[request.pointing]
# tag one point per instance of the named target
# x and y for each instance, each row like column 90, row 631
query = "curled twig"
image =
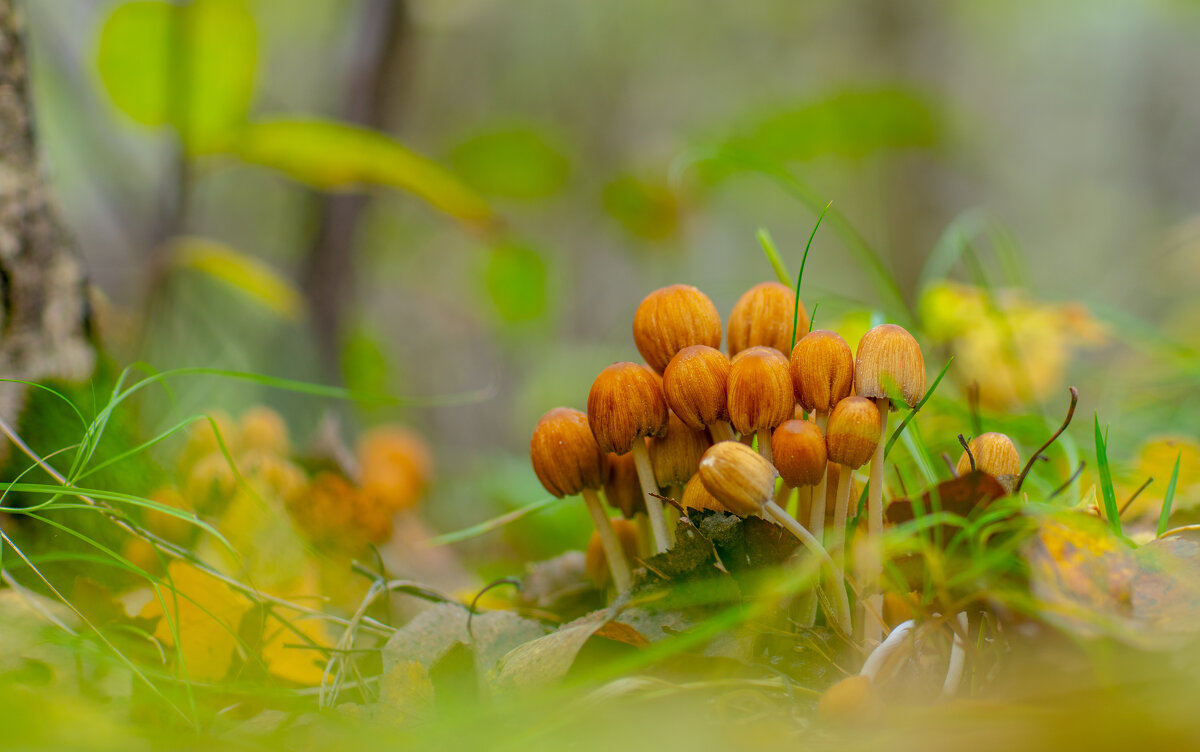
column 966, row 445
column 472, row 610
column 1066, row 422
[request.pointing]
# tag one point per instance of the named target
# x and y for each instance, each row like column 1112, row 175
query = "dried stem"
column 1066, row 422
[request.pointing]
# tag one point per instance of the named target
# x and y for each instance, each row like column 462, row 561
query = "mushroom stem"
column 816, row 520
column 872, row 627
column 654, row 510
column 879, row 657
column 617, row 564
column 764, row 444
column 840, row 511
column 958, row 655
column 645, row 537
column 841, row 602
column 721, row 431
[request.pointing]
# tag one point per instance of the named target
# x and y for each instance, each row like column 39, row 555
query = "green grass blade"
column 492, row 524
column 1169, row 499
column 772, row 253
column 1111, row 511
column 800, row 277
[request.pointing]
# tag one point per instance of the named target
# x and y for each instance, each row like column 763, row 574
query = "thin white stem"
column 721, row 431
column 872, row 627
column 613, row 551
column 841, row 602
column 816, row 520
column 645, row 537
column 840, row 510
column 654, row 510
column 958, row 657
column 764, row 444
column 878, row 658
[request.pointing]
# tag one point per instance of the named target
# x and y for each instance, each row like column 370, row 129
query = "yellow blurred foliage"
column 204, row 613
column 1015, row 348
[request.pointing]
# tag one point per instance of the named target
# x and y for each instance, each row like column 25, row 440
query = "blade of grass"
column 772, row 253
column 1169, row 498
column 1106, row 484
column 493, row 524
column 800, row 277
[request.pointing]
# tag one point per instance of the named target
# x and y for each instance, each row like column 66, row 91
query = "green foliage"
column 646, row 209
column 1111, row 512
column 246, row 274
column 517, row 162
column 515, row 277
column 190, row 66
column 336, row 156
column 853, row 123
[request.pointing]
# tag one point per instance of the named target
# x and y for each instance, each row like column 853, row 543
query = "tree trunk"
column 44, row 316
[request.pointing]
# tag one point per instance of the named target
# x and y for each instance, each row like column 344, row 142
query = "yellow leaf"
column 204, row 613
column 336, row 156
column 246, row 274
column 302, row 665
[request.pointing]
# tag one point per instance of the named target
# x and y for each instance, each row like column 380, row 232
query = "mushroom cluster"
column 788, row 414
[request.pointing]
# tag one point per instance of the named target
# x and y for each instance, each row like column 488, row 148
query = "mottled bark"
column 43, row 290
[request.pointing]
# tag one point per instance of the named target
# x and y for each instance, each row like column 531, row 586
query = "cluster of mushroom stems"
column 815, row 410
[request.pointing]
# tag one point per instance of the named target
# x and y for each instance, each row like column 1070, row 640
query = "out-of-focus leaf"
column 188, row 65
column 366, row 367
column 516, row 283
column 646, row 210
column 288, row 655
column 852, row 123
column 548, row 659
column 336, row 156
column 961, row 496
column 1087, row 579
column 405, row 694
column 205, row 613
column 435, row 632
column 245, row 274
column 511, row 163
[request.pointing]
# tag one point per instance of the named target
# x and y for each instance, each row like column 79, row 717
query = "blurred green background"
column 575, row 156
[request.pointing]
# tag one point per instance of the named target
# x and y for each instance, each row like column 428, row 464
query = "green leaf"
column 190, row 66
column 516, row 283
column 1111, row 512
column 335, row 156
column 1168, row 500
column 646, row 210
column 365, row 363
column 852, row 123
column 511, row 163
column 245, row 274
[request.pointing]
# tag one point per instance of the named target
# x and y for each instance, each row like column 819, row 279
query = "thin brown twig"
column 967, row 447
column 1066, row 422
column 1133, row 498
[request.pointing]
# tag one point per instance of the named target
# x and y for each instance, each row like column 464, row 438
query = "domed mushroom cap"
column 622, row 489
column 394, row 465
column 822, row 368
column 763, row 316
column 675, row 457
column 853, row 431
column 994, row 453
column 672, row 318
column 695, row 385
column 760, row 390
column 566, row 458
column 890, row 361
column 800, row 454
column 626, row 403
column 696, row 496
column 265, row 430
column 738, row 477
